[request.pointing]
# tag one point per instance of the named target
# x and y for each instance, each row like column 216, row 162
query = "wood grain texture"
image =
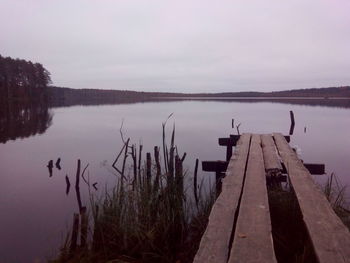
column 271, row 158
column 329, row 237
column 214, row 246
column 253, row 238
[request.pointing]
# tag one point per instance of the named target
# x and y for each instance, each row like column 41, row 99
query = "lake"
column 36, row 213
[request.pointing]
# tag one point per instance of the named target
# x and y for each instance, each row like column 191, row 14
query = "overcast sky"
column 182, row 45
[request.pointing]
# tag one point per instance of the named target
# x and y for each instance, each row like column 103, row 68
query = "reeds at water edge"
column 150, row 215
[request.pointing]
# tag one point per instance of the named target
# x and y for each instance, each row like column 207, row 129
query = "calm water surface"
column 35, row 211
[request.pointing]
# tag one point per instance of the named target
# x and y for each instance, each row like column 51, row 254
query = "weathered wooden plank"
column 271, row 159
column 329, row 236
column 232, row 140
column 253, row 238
column 214, row 246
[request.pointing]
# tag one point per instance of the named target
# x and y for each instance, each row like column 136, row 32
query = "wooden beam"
column 215, row 242
column 253, row 234
column 214, row 166
column 232, row 140
column 329, row 236
column 315, row 168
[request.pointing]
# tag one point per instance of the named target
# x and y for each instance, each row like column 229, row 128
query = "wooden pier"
column 239, row 227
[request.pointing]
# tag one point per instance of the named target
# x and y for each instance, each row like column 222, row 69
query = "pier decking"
column 239, row 227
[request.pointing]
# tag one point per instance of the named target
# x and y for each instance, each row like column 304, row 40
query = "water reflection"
column 92, row 135
column 307, row 101
column 21, row 120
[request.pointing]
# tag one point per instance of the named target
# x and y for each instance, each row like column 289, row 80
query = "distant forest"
column 67, row 96
column 23, row 80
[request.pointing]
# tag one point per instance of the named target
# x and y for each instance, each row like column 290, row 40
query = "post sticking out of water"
column 68, row 185
column 292, row 123
column 77, row 187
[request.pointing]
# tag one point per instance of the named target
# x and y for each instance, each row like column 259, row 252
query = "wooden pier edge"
column 215, row 242
column 239, row 227
column 330, row 238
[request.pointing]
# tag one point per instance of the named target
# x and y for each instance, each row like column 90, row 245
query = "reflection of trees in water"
column 24, row 119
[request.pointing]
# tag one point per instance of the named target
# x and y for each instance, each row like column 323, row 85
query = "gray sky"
column 182, row 45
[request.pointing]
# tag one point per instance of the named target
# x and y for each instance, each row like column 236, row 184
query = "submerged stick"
column 116, row 159
column 77, row 188
column 77, row 177
column 125, row 157
column 68, row 185
column 58, row 164
column 50, row 166
column 82, row 175
column 183, row 157
column 292, row 123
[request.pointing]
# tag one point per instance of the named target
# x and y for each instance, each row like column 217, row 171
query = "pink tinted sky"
column 183, row 45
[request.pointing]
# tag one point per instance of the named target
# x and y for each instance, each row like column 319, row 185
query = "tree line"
column 23, row 80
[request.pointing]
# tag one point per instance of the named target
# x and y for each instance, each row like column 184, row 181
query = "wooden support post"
column 229, row 143
column 228, row 152
column 219, row 167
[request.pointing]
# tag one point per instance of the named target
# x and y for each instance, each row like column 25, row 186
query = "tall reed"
column 149, row 216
